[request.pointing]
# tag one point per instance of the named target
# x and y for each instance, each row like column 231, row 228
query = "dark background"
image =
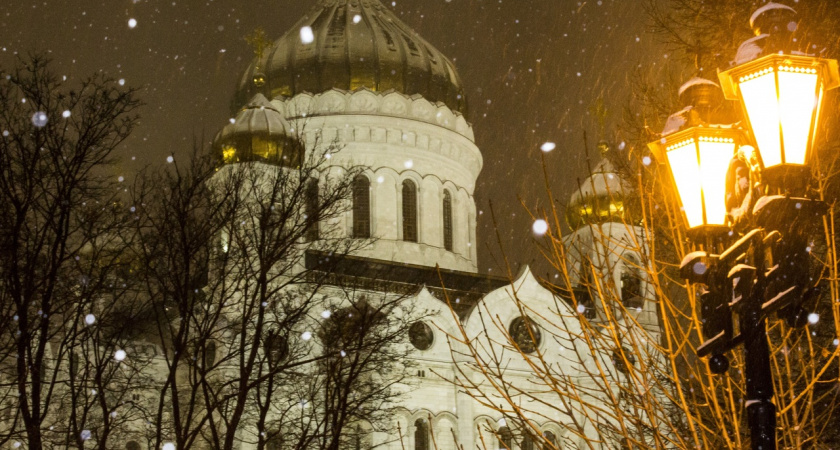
column 534, row 70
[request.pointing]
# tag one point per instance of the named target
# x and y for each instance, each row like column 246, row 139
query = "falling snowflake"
column 306, row 35
column 39, row 119
column 540, row 227
column 548, row 146
column 170, row 159
column 90, row 319
column 119, row 355
column 66, row 113
column 813, row 318
column 326, row 314
column 306, row 335
column 132, row 22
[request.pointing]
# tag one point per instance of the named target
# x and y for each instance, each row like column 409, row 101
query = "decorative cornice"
column 368, row 102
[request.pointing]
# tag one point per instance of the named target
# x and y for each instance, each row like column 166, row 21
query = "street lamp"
column 781, row 96
column 699, row 158
column 767, row 270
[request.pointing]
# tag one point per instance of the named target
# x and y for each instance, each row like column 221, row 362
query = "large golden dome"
column 354, row 44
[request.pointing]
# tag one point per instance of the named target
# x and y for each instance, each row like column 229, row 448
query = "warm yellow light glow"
column 797, row 105
column 782, row 95
column 781, row 116
column 699, row 169
column 686, row 170
column 228, row 154
column 761, row 101
column 715, row 155
column 263, row 148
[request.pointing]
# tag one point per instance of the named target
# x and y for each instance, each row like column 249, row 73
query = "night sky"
column 533, row 71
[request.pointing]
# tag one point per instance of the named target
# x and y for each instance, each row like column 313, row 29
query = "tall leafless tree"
column 61, row 256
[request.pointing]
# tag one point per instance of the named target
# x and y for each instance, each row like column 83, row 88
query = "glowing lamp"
column 781, row 96
column 698, row 159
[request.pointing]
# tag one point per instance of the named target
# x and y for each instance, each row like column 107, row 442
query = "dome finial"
column 259, row 43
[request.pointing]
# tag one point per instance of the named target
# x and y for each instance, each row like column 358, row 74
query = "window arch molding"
column 631, row 282
column 406, row 228
column 448, row 220
column 554, row 435
column 428, row 420
column 361, row 214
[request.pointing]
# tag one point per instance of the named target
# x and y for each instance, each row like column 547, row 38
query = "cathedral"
column 362, row 81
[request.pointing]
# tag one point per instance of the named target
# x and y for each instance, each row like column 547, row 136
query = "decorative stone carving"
column 395, row 104
column 332, row 102
column 422, row 109
column 445, row 117
column 364, row 101
column 300, row 105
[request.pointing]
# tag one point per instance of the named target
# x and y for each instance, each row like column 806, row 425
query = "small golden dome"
column 600, row 198
column 258, row 133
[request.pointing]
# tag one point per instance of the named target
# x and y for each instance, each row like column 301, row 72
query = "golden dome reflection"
column 258, row 133
column 355, row 44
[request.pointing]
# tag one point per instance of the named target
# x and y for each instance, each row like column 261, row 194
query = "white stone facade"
column 395, row 138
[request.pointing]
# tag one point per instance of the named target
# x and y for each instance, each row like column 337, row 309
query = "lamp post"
column 766, row 271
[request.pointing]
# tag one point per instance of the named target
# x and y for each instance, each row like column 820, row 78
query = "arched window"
column 209, row 354
column 357, row 440
column 527, row 443
column 275, row 441
column 312, row 210
column 421, row 435
column 74, row 363
column 361, row 207
column 132, row 445
column 409, row 211
column 276, row 346
column 631, row 284
column 447, row 220
column 551, row 439
column 505, row 438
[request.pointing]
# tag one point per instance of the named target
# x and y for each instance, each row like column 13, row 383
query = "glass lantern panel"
column 758, row 92
column 714, row 163
column 686, row 170
column 797, row 106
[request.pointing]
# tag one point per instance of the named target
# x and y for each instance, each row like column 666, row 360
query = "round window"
column 421, row 335
column 526, row 340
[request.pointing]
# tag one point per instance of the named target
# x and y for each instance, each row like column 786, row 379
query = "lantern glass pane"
column 820, row 94
column 714, row 163
column 686, row 170
column 797, row 106
column 761, row 102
